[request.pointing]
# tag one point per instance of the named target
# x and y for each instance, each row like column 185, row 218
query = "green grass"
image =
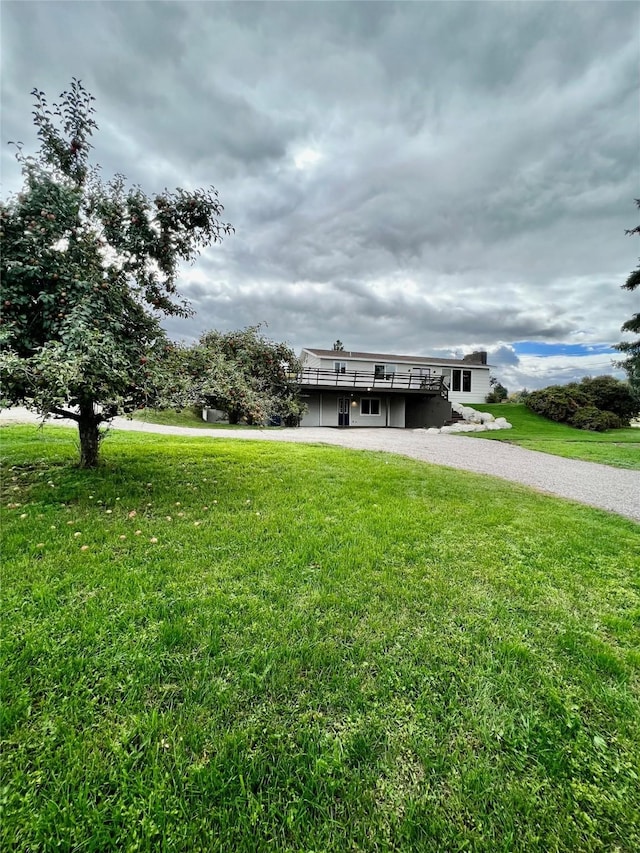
column 617, row 447
column 183, row 418
column 323, row 650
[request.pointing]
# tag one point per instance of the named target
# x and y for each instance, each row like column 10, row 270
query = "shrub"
column 597, row 403
column 615, row 421
column 494, row 397
column 558, row 402
column 498, row 393
column 592, row 418
column 610, row 394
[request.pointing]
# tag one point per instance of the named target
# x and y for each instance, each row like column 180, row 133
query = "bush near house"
column 498, row 393
column 244, row 374
column 596, row 403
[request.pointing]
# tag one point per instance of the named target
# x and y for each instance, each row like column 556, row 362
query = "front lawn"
column 618, row 447
column 242, row 646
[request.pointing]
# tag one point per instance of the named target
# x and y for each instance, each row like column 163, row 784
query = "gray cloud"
column 404, row 176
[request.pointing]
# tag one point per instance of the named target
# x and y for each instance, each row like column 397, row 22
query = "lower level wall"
column 357, row 419
column 323, row 410
column 427, row 412
column 395, row 411
column 312, row 415
column 214, row 416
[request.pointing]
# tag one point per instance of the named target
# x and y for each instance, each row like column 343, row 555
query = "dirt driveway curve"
column 614, row 489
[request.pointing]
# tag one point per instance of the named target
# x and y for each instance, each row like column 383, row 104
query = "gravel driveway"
column 613, row 489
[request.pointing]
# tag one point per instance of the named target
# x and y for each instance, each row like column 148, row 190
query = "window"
column 461, row 380
column 370, row 406
column 340, row 366
column 384, row 371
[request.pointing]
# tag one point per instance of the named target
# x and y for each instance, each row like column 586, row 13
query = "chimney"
column 479, row 357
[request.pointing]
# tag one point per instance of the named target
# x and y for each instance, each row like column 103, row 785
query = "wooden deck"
column 369, row 381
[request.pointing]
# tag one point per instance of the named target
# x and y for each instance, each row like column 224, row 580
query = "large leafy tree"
column 244, row 374
column 88, row 270
column 632, row 348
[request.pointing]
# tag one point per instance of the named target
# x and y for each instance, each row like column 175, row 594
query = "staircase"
column 454, row 419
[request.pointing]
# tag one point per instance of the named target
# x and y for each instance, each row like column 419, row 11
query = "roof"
column 389, row 357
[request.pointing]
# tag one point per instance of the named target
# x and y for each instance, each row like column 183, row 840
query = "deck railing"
column 369, row 380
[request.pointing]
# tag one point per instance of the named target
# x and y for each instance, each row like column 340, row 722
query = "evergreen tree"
column 631, row 349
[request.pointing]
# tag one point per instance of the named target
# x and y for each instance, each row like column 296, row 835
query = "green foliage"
column 632, row 348
column 564, row 403
column 244, row 374
column 498, row 393
column 321, row 650
column 518, row 396
column 88, row 268
column 597, row 420
column 557, row 402
column 612, row 395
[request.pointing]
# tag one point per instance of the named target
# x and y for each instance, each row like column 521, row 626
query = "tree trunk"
column 88, row 427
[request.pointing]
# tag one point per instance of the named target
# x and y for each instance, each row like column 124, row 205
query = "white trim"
column 370, row 414
column 461, row 371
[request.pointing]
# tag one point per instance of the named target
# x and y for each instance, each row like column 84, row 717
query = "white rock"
column 473, row 421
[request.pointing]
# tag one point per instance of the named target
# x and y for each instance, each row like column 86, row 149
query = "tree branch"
column 63, row 413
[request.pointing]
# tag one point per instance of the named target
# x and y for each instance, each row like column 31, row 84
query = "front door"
column 344, row 404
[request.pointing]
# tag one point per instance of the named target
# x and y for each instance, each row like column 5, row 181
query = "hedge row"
column 596, row 403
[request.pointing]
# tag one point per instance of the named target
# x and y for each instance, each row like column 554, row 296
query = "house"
column 348, row 389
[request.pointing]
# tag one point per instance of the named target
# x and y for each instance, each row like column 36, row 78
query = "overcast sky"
column 417, row 178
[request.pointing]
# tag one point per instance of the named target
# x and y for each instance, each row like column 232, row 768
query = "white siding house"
column 344, row 388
